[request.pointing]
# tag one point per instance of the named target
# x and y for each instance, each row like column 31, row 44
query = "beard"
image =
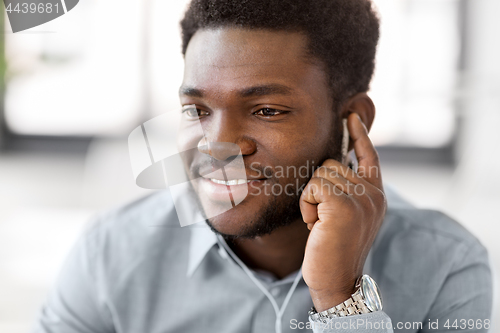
column 279, row 211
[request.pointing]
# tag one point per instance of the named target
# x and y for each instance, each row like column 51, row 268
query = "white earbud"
column 345, row 141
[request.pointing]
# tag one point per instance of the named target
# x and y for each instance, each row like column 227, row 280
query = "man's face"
column 257, row 89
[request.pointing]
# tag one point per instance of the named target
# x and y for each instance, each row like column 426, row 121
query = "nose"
column 219, row 150
column 224, row 139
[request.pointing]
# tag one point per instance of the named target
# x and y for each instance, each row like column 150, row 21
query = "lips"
column 230, row 192
column 230, row 182
column 226, row 185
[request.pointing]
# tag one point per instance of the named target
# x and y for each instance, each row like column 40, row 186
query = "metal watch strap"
column 353, row 305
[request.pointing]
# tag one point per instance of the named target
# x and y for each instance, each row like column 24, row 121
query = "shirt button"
column 275, row 291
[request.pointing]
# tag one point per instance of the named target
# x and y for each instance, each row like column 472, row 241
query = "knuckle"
column 322, row 172
column 326, row 173
column 379, row 200
column 329, row 162
column 319, row 172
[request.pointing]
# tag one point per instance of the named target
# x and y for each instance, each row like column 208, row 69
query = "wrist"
column 365, row 299
column 325, row 299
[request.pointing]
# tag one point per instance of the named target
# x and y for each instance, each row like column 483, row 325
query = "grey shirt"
column 136, row 270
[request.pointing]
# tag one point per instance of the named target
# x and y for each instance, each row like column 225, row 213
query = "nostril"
column 219, row 150
column 223, row 150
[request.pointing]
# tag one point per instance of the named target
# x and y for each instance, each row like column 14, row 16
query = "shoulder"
column 426, row 256
column 404, row 219
column 418, row 242
column 128, row 235
column 153, row 210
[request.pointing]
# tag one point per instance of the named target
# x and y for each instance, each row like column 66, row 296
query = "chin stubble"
column 280, row 211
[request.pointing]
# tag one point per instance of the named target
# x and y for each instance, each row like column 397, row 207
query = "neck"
column 280, row 252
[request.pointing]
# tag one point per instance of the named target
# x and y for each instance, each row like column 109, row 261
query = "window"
column 107, row 65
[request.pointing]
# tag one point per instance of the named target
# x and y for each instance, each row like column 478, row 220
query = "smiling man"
column 256, row 89
column 280, row 84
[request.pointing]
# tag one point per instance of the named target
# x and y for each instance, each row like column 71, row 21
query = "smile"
column 230, row 182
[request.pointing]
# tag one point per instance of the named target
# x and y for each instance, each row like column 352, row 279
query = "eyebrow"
column 262, row 90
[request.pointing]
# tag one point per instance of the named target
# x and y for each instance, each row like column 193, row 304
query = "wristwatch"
column 365, row 299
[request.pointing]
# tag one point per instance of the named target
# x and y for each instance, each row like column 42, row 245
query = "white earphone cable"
column 279, row 311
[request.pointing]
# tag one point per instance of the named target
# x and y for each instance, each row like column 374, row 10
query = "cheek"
column 299, row 148
column 308, row 138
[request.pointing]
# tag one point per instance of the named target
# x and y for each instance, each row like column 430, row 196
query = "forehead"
column 229, row 57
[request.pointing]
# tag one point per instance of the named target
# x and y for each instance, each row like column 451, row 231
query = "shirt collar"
column 202, row 240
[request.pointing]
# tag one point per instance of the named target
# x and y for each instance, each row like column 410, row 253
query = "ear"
column 363, row 106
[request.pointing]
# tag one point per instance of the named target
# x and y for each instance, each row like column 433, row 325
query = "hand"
column 343, row 210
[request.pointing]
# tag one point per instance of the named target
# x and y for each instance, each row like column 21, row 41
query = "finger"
column 356, row 189
column 317, row 191
column 368, row 160
column 337, row 179
column 341, row 170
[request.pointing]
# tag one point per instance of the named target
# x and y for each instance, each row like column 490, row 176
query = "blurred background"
column 74, row 88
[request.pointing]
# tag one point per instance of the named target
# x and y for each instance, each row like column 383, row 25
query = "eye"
column 268, row 112
column 192, row 112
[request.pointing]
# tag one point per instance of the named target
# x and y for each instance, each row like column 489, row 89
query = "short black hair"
column 342, row 34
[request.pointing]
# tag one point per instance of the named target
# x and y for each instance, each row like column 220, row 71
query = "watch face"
column 371, row 293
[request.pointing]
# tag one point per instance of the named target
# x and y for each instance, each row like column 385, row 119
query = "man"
column 276, row 79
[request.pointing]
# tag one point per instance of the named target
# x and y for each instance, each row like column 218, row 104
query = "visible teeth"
column 230, row 182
